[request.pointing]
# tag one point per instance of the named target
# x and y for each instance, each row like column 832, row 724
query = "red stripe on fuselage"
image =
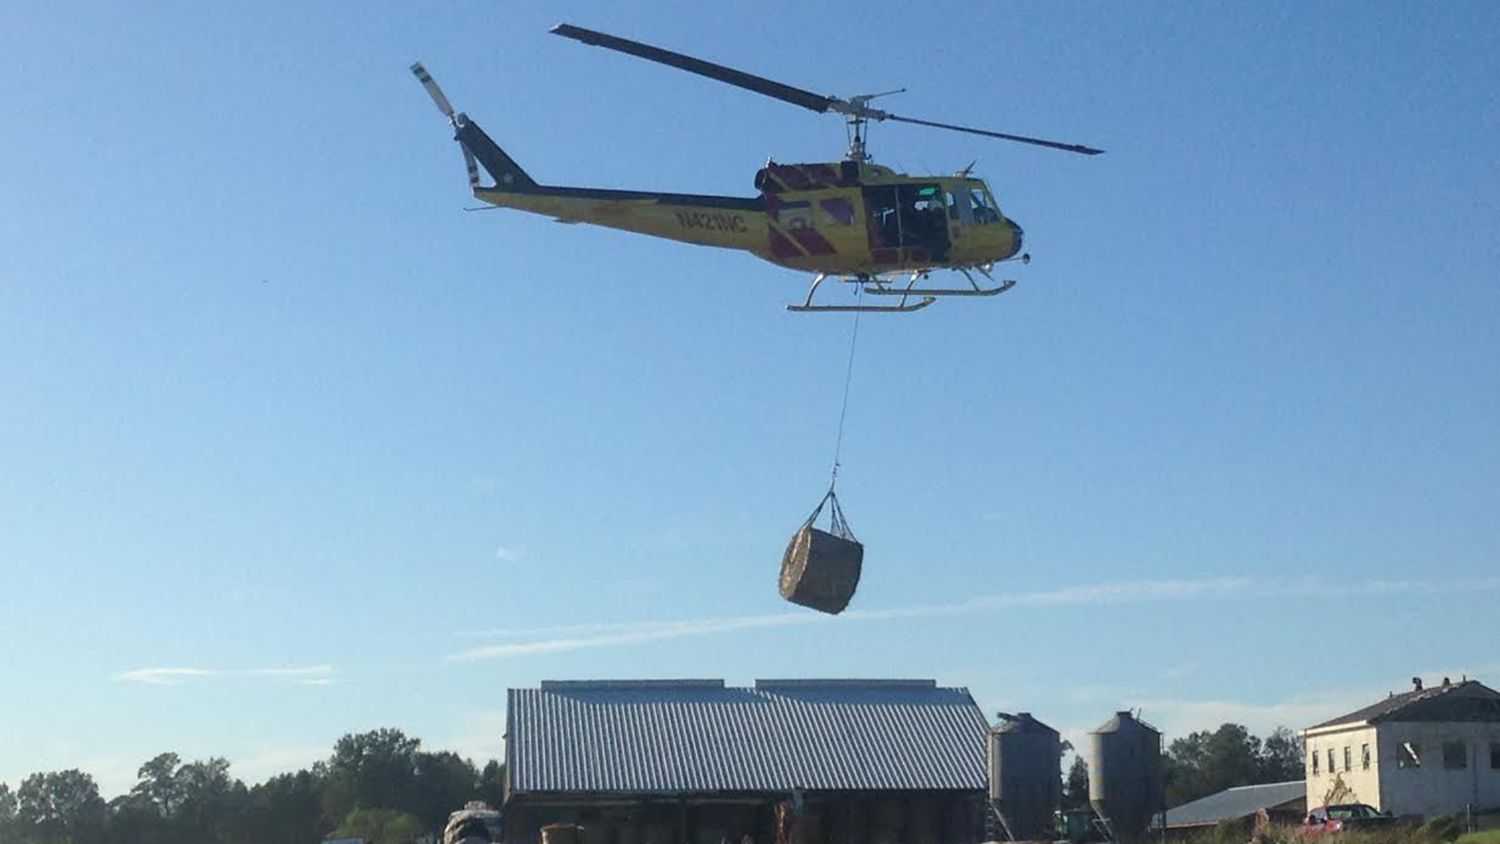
column 781, row 247
column 814, row 243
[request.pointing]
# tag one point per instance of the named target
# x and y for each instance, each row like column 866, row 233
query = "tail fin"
column 507, row 174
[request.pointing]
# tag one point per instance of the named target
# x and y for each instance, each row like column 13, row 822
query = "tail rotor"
column 454, row 119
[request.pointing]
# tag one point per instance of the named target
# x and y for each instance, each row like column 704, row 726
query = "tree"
column 157, row 786
column 1233, row 758
column 1183, row 768
column 7, row 812
column 1076, row 785
column 444, row 782
column 492, row 783
column 61, row 806
column 211, row 801
column 1281, row 757
column 132, row 820
column 380, row 826
column 378, row 785
column 288, row 807
column 372, row 770
column 1205, row 763
column 175, row 803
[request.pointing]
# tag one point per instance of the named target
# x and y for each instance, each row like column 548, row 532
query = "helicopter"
column 853, row 220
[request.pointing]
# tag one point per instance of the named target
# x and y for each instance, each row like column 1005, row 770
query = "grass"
column 1440, row 830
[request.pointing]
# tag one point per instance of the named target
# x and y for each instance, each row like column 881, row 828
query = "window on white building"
column 1314, row 757
column 1455, row 755
column 1364, row 757
column 1332, row 765
column 1348, row 759
column 1410, row 755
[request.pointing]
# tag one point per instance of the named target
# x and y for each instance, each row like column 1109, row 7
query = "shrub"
column 1441, row 828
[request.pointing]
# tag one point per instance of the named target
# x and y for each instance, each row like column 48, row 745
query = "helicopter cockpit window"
column 984, row 210
column 958, row 207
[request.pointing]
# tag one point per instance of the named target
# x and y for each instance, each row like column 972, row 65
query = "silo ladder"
column 995, row 822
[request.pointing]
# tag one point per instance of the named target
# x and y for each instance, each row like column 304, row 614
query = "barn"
column 779, row 762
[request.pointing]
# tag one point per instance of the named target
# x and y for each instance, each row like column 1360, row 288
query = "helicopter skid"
column 936, row 292
column 874, row 309
column 879, row 287
column 807, row 307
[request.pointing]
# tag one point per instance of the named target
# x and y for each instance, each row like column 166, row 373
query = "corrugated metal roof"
column 698, row 736
column 1470, row 700
column 1235, row 803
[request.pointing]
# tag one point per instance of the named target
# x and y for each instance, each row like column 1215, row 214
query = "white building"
column 1423, row 752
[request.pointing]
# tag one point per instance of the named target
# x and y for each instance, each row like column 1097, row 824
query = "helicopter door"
column 908, row 224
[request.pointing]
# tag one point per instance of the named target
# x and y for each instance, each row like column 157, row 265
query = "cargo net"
column 821, row 568
column 837, row 524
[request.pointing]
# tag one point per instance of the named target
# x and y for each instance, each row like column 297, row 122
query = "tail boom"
column 724, row 221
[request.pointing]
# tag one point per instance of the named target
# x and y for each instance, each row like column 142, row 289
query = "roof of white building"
column 1469, row 700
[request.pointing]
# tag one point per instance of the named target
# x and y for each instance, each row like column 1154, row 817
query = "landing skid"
column 879, row 287
column 869, row 309
column 904, row 306
column 913, row 298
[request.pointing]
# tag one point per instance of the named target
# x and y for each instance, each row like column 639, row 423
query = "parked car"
column 1337, row 817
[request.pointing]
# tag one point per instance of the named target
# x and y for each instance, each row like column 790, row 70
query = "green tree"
column 1233, row 758
column 133, row 820
column 157, row 787
column 492, row 783
column 1281, row 758
column 1075, row 793
column 1205, row 763
column 176, row 803
column 7, row 812
column 444, row 782
column 380, row 826
column 287, row 807
column 1183, row 768
column 61, row 807
column 212, row 801
column 372, row 770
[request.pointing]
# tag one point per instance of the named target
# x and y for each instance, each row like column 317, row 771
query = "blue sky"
column 279, row 417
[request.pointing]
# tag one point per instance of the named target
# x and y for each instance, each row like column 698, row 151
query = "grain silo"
column 1125, row 775
column 1025, row 761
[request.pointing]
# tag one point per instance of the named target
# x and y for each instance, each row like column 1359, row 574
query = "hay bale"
column 820, row 570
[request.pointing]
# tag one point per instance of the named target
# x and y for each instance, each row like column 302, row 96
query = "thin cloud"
column 161, row 676
column 562, row 629
column 304, row 674
column 508, row 554
column 557, row 639
column 573, row 638
column 629, row 634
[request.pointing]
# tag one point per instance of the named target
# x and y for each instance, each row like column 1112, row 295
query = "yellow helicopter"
column 852, row 220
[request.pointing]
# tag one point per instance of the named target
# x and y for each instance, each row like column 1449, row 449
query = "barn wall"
column 828, row 818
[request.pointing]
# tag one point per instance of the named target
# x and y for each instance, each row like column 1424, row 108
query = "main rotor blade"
column 1078, row 148
column 738, row 78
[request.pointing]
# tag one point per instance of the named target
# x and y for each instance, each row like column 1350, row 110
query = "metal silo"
column 1025, row 776
column 1125, row 775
